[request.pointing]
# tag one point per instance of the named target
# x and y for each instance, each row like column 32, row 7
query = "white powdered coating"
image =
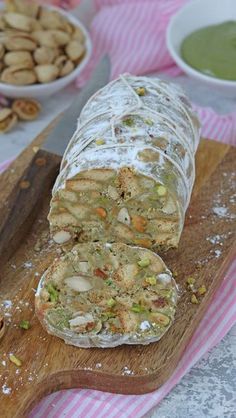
column 162, row 112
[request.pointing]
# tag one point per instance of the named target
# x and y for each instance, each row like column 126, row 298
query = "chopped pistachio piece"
column 24, row 324
column 161, row 190
column 149, row 122
column 111, row 302
column 137, row 308
column 151, row 280
column 194, row 299
column 15, row 360
column 190, row 280
column 201, row 290
column 53, row 292
column 108, row 282
column 107, row 315
column 141, row 91
column 128, row 122
column 144, row 262
column 100, row 141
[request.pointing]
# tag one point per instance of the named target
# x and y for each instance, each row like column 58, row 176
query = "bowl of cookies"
column 42, row 49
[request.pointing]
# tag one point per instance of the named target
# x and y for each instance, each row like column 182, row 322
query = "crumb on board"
column 6, row 390
column 126, row 371
column 217, row 253
column 28, row 265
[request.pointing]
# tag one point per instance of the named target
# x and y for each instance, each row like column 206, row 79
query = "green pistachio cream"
column 212, row 50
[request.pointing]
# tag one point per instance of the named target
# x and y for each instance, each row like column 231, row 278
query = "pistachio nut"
column 19, row 21
column 45, row 55
column 36, row 25
column 67, row 68
column 50, row 19
column 75, row 50
column 7, row 119
column 60, row 61
column 61, row 38
column 46, row 72
column 19, row 57
column 44, row 38
column 25, row 7
column 20, row 42
column 18, row 75
column 68, row 27
column 26, row 109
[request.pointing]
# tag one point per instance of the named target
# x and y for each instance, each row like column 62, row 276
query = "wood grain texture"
column 31, row 187
column 47, row 363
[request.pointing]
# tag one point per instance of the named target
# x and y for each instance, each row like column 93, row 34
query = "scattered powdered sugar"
column 7, row 304
column 127, row 371
column 214, row 239
column 28, row 265
column 6, row 390
column 233, row 198
column 217, row 253
column 98, row 365
column 221, row 211
column 218, row 239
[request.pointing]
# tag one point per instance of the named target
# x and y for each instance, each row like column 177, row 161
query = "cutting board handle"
column 24, row 200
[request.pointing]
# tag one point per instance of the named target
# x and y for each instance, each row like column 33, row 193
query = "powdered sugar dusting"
column 6, row 390
column 159, row 113
column 218, row 253
column 220, row 211
column 126, row 371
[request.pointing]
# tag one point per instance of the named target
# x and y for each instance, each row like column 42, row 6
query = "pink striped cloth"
column 133, row 33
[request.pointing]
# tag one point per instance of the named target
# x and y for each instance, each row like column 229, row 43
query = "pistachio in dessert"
column 104, row 295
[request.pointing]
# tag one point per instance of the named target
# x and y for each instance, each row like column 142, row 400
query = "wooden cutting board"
column 205, row 251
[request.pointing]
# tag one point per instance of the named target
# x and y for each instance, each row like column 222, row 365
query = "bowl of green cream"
column 201, row 38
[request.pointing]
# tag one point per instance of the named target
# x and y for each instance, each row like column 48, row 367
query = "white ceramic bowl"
column 195, row 15
column 47, row 89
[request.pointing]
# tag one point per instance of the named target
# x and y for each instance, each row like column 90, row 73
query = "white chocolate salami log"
column 128, row 171
column 104, row 295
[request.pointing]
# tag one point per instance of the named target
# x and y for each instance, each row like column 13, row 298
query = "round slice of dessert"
column 105, row 295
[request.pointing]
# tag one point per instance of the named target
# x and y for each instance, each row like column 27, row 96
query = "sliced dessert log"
column 109, row 206
column 106, row 295
column 128, row 171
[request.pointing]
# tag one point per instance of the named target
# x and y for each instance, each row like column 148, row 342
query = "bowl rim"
column 37, row 87
column 179, row 60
